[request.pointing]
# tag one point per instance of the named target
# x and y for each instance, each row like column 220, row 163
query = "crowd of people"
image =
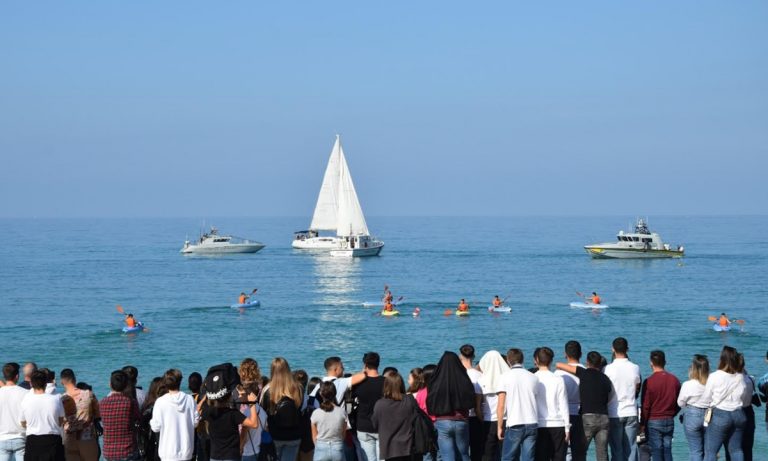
column 459, row 409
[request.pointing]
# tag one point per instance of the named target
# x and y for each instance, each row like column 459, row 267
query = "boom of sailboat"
column 338, row 211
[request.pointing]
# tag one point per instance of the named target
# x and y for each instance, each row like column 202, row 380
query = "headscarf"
column 450, row 390
column 493, row 366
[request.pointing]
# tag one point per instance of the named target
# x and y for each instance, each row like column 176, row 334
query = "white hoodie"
column 175, row 417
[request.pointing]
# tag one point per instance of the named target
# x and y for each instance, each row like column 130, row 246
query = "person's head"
column 394, row 388
column 535, row 354
column 428, row 371
column 50, row 375
column 194, row 382
column 467, row 355
column 282, row 383
column 29, row 368
column 118, row 381
column 172, row 379
column 515, row 357
column 416, row 380
column 242, row 293
column 729, row 360
column 133, row 374
column 250, row 374
column 313, row 383
column 130, row 316
column 67, row 377
column 594, row 360
column 301, row 377
column 327, row 393
column 462, row 301
column 573, row 350
column 38, row 380
column 658, row 359
column 620, row 347
column 371, row 361
column 699, row 369
column 11, row 372
column 157, row 390
column 497, row 296
column 544, row 357
column 723, row 314
column 389, row 371
column 594, row 293
column 334, row 367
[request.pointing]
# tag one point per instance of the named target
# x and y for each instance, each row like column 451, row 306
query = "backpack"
column 424, row 435
column 315, row 398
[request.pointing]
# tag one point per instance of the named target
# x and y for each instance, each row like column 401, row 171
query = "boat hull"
column 601, row 252
column 317, row 243
column 500, row 309
column 390, row 313
column 233, row 248
column 357, row 252
column 583, row 305
column 250, row 304
column 718, row 327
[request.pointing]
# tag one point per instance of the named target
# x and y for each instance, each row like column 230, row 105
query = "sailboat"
column 338, row 209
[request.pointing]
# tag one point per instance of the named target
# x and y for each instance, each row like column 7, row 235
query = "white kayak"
column 501, row 309
column 253, row 303
column 583, row 305
column 381, row 303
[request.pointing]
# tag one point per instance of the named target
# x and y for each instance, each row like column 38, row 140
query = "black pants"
column 492, row 444
column 476, row 440
column 550, row 444
column 44, row 448
column 578, row 443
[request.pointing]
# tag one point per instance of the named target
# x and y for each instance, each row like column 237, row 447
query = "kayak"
column 462, row 313
column 504, row 309
column 390, row 313
column 379, row 303
column 254, row 303
column 583, row 305
column 718, row 327
column 138, row 328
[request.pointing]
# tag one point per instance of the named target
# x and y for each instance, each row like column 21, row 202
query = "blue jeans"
column 693, row 424
column 287, row 450
column 250, row 458
column 622, row 438
column 725, row 428
column 660, row 433
column 453, row 439
column 519, row 443
column 328, row 451
column 369, row 445
column 12, row 449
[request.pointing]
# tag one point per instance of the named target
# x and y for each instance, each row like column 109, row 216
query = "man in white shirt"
column 622, row 408
column 42, row 415
column 174, row 417
column 577, row 443
column 334, row 371
column 476, row 439
column 517, row 399
column 552, row 409
column 12, row 434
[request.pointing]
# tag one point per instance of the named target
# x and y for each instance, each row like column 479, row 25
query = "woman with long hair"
column 450, row 395
column 693, row 407
column 493, row 365
column 250, row 385
column 393, row 419
column 148, row 440
column 725, row 392
column 416, row 381
column 282, row 399
column 329, row 426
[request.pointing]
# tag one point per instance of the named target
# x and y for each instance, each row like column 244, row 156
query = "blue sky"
column 445, row 108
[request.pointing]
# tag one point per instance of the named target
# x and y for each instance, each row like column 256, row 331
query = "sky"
column 204, row 109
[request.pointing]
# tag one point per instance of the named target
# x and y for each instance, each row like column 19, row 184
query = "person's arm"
column 155, row 423
column 357, row 378
column 562, row 401
column 567, row 367
column 479, row 406
column 252, row 422
column 645, row 404
column 500, row 408
column 314, row 432
column 682, row 397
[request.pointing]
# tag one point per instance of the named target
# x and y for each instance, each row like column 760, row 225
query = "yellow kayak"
column 389, row 313
column 462, row 313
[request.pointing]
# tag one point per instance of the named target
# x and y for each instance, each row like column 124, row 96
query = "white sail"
column 326, row 209
column 350, row 219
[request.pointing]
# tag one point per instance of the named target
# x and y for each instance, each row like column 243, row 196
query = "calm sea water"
column 61, row 279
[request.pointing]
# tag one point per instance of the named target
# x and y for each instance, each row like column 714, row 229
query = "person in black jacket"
column 283, row 399
column 450, row 395
column 392, row 418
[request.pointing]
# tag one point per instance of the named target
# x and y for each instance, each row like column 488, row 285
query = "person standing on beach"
column 365, row 395
column 133, row 388
column 476, row 439
column 119, row 415
column 516, row 411
column 552, row 409
column 622, row 409
column 42, row 415
column 29, row 368
column 493, row 366
column 577, row 448
column 595, row 391
column 174, row 416
column 12, row 434
column 659, row 407
column 81, row 409
column 450, row 396
column 392, row 418
column 334, row 370
column 694, row 409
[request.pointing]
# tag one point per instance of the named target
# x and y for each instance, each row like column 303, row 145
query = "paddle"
column 122, row 311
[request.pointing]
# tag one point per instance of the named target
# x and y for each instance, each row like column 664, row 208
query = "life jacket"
column 388, row 306
column 463, row 307
column 496, row 302
column 724, row 321
column 242, row 299
column 130, row 322
column 595, row 299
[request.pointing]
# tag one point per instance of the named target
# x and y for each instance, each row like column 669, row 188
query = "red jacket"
column 659, row 396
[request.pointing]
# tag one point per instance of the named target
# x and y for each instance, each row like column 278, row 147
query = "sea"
column 61, row 280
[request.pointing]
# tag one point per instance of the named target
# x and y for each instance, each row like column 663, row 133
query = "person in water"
column 723, row 321
column 130, row 322
column 496, row 301
column 463, row 306
column 595, row 298
column 388, row 307
column 243, row 298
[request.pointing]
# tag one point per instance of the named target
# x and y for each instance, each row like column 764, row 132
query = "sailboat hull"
column 317, row 243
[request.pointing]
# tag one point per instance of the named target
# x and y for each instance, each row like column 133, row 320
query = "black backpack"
column 424, row 435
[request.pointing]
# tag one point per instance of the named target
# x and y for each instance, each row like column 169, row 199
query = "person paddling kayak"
column 497, row 301
column 463, row 306
column 388, row 307
column 387, row 295
column 243, row 298
column 595, row 298
column 130, row 322
column 723, row 321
